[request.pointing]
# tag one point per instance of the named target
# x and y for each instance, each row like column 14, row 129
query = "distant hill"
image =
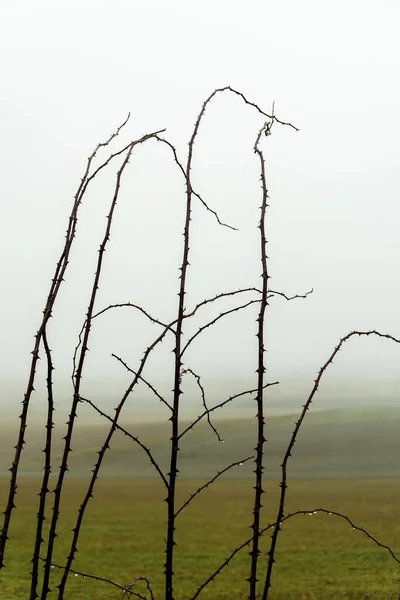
column 332, row 443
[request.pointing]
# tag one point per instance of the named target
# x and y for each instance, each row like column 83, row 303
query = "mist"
column 71, row 75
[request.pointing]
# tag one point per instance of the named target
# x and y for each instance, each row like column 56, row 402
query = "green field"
column 319, row 556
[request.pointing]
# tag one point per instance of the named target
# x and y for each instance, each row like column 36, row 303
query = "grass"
column 319, row 557
column 334, row 443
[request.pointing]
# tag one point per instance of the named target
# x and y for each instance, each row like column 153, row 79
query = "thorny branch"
column 215, row 320
column 288, row 453
column 134, row 582
column 141, row 378
column 47, row 471
column 273, row 293
column 206, row 485
column 194, row 193
column 203, row 397
column 124, row 589
column 128, row 434
column 274, row 526
column 258, row 487
column 77, row 384
column 56, row 282
column 221, row 405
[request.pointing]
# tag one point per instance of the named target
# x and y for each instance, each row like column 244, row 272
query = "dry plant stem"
column 101, row 312
column 151, row 387
column 173, row 471
column 134, row 582
column 77, row 384
column 215, row 320
column 102, row 579
column 178, row 348
column 288, row 453
column 221, row 405
column 47, row 471
column 273, row 526
column 131, row 305
column 260, row 378
column 105, row 446
column 204, row 203
column 239, row 463
column 273, row 293
column 56, row 281
column 203, row 397
column 130, row 435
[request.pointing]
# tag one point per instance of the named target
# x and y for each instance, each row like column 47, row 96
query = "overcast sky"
column 70, row 73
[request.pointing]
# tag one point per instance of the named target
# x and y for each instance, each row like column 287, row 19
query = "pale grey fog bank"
column 70, row 73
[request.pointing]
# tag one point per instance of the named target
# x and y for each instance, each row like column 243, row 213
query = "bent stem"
column 55, row 285
column 288, row 453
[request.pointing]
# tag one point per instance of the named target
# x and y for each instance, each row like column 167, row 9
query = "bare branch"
column 273, row 526
column 130, row 435
column 217, row 297
column 215, row 320
column 151, row 387
column 203, row 397
column 288, row 453
column 275, row 293
column 129, row 588
column 131, row 305
column 221, row 405
column 206, row 485
column 194, row 193
column 55, row 285
column 98, row 578
column 47, row 471
column 258, row 487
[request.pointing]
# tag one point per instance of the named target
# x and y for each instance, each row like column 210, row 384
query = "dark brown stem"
column 288, row 453
column 221, row 405
column 203, row 202
column 78, row 380
column 215, row 320
column 239, row 463
column 56, row 281
column 258, row 487
column 203, row 398
column 273, row 526
column 124, row 589
column 47, row 471
column 173, row 470
column 149, row 385
column 130, row 435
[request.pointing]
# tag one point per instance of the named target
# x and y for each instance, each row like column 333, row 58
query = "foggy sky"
column 70, row 73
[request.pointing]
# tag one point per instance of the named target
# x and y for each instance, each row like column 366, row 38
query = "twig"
column 219, row 473
column 203, row 397
column 274, row 526
column 275, row 293
column 56, row 281
column 149, row 385
column 288, row 453
column 129, row 588
column 258, row 487
column 215, row 320
column 77, row 383
column 128, row 434
column 105, row 446
column 98, row 578
column 221, row 405
column 217, row 297
column 47, row 470
column 194, row 193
